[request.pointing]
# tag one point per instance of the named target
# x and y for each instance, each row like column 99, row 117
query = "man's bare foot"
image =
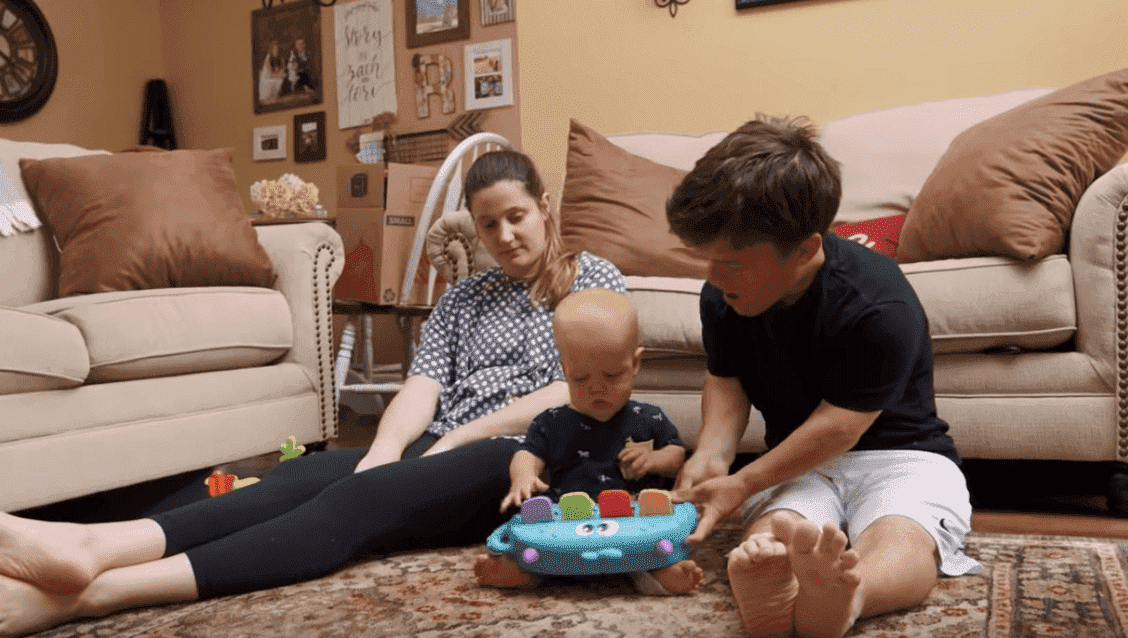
column 763, row 585
column 830, row 596
column 53, row 556
column 680, row 578
column 502, row 571
column 25, row 608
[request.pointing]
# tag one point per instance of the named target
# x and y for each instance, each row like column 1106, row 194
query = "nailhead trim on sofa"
column 322, row 296
column 1121, row 247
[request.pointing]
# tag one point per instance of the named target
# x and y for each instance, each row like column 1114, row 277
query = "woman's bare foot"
column 763, row 585
column 830, row 597
column 25, row 608
column 680, row 578
column 54, row 556
column 502, row 571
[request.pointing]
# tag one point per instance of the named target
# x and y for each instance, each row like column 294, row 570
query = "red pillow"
column 881, row 234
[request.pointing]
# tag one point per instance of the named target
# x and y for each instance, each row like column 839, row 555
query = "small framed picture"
column 269, row 143
column 489, row 74
column 497, row 11
column 309, row 137
column 437, row 21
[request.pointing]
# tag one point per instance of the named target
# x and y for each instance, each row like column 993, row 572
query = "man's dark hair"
column 769, row 180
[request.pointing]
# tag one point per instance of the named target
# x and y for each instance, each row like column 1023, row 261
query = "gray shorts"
column 858, row 488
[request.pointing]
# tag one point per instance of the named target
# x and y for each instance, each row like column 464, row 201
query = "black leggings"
column 312, row 514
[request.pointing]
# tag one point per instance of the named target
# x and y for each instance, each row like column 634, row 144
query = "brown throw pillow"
column 134, row 221
column 1008, row 185
column 614, row 206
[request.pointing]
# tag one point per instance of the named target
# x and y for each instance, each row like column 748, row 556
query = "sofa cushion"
column 39, row 352
column 151, row 333
column 614, row 206
column 961, row 298
column 1008, row 186
column 133, row 221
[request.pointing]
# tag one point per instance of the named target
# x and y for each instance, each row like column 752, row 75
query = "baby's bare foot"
column 829, row 599
column 54, row 556
column 502, row 571
column 25, row 608
column 680, row 578
column 763, row 585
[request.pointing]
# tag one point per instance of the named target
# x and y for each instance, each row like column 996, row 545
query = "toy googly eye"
column 607, row 528
column 585, row 529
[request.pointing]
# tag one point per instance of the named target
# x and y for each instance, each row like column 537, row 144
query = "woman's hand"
column 377, row 456
column 700, row 467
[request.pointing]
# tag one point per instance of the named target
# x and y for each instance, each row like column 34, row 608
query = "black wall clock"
column 28, row 60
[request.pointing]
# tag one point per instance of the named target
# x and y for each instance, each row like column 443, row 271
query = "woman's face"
column 511, row 225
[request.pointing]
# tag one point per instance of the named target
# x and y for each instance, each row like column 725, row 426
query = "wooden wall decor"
column 424, row 88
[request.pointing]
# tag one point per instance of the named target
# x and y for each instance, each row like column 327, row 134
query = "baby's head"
column 597, row 333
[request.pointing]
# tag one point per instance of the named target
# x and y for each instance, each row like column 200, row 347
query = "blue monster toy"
column 579, row 538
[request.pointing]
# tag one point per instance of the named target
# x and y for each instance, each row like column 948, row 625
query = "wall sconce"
column 672, row 4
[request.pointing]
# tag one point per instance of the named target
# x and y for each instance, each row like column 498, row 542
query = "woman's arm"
column 511, row 420
column 405, row 419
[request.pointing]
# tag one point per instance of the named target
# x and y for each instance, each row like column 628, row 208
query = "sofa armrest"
column 1098, row 252
column 308, row 258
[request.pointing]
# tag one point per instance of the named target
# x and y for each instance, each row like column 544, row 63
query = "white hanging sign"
column 366, row 65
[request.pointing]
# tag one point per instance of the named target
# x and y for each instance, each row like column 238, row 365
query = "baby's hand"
column 521, row 491
column 636, row 460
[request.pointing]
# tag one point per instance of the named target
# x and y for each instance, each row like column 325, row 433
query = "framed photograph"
column 269, row 143
column 437, row 21
column 309, row 137
column 489, row 74
column 750, row 4
column 286, row 56
column 497, row 11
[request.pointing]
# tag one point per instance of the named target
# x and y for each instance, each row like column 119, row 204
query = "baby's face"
column 600, row 381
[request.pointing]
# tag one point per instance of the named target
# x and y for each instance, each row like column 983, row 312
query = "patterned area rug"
column 1030, row 586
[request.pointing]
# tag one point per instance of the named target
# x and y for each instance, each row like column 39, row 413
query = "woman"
column 433, row 476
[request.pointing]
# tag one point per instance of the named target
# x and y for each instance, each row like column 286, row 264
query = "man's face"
column 754, row 279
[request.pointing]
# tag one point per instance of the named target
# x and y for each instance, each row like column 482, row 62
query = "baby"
column 602, row 439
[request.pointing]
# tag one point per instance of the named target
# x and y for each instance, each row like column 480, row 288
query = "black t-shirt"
column 581, row 454
column 857, row 338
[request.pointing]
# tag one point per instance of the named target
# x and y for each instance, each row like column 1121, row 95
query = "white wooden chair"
column 354, row 373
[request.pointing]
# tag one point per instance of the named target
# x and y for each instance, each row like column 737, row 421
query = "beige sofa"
column 1031, row 358
column 108, row 389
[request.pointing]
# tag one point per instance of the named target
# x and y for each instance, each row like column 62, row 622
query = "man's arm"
column 828, row 433
column 724, row 418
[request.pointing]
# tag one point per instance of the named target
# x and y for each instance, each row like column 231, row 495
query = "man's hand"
column 522, row 490
column 700, row 467
column 714, row 498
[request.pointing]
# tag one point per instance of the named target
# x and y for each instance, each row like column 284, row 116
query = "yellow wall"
column 625, row 65
column 107, row 50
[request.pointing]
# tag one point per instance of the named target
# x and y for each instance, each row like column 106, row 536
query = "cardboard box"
column 378, row 240
column 360, row 185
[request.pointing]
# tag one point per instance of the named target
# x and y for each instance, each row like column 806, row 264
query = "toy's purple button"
column 664, row 547
column 536, row 510
column 530, row 555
